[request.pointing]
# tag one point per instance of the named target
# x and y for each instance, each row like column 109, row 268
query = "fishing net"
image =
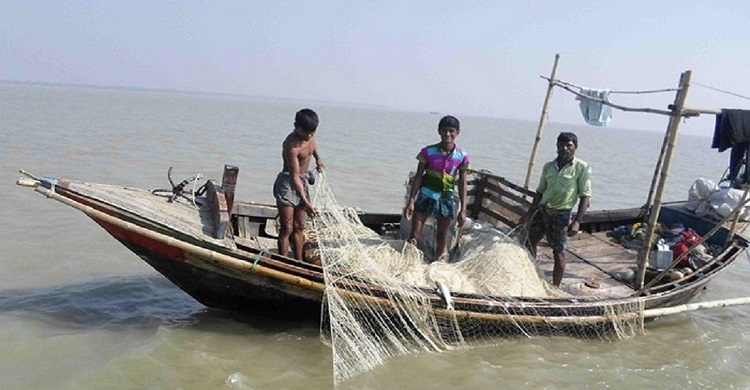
column 383, row 299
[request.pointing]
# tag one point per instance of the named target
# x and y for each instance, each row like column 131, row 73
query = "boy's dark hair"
column 449, row 121
column 307, row 120
column 566, row 137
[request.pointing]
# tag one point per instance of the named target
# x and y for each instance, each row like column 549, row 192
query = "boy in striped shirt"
column 441, row 166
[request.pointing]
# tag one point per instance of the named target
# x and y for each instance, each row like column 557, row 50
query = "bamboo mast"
column 542, row 120
column 686, row 112
column 657, row 171
column 674, row 124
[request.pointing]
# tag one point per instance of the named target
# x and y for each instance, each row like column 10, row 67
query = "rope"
column 562, row 82
column 617, row 106
column 256, row 259
column 721, row 90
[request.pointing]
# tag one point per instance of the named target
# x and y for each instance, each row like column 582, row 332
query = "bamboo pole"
column 691, row 111
column 650, row 313
column 542, row 121
column 657, row 170
column 614, row 91
column 24, row 182
column 674, row 124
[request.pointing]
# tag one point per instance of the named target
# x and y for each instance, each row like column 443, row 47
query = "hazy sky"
column 464, row 57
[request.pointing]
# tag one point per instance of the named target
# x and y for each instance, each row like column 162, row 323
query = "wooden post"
column 674, row 124
column 657, row 170
column 476, row 207
column 542, row 120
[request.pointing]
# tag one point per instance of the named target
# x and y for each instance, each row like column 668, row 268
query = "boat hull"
column 220, row 273
column 217, row 287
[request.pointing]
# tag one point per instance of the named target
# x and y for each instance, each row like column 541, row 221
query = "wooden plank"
column 601, row 253
column 496, row 216
column 505, row 193
column 218, row 209
column 499, row 206
column 586, row 243
column 581, row 268
column 603, row 256
column 509, row 211
column 241, row 230
column 578, row 273
column 506, row 182
column 612, row 216
column 379, row 218
column 253, row 228
column 478, row 198
column 255, row 210
column 270, row 228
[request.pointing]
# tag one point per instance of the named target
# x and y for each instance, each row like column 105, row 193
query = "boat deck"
column 596, row 265
column 600, row 258
column 181, row 215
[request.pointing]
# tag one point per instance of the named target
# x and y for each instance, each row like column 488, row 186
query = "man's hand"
column 573, row 228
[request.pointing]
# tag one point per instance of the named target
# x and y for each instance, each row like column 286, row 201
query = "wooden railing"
column 496, row 199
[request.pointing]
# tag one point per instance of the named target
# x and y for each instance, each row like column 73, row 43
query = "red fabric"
column 689, row 238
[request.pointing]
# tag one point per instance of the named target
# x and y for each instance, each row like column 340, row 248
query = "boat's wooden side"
column 214, row 283
column 250, row 275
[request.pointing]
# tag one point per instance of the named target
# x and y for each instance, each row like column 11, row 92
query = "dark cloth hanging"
column 739, row 155
column 732, row 130
column 732, row 127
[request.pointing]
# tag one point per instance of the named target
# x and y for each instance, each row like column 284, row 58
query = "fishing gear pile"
column 383, row 300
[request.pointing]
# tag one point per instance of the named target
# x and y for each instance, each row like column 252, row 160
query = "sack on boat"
column 699, row 192
column 721, row 203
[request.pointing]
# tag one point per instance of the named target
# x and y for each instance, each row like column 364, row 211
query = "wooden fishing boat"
column 241, row 271
column 222, row 252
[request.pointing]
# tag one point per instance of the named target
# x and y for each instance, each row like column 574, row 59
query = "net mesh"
column 383, row 300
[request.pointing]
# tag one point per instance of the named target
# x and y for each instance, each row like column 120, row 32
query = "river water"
column 79, row 311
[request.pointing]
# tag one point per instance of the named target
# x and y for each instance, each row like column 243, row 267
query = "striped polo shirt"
column 442, row 168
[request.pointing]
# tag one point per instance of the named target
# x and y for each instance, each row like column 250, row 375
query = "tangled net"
column 378, row 303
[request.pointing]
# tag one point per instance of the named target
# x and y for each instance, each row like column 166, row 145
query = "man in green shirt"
column 564, row 181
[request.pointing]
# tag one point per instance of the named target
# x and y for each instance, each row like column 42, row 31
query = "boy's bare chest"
column 305, row 151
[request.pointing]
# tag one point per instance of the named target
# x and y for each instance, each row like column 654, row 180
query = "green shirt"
column 561, row 189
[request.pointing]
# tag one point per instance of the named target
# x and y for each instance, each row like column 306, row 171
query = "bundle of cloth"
column 707, row 199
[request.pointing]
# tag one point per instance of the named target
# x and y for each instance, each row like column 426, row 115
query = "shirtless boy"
column 291, row 186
